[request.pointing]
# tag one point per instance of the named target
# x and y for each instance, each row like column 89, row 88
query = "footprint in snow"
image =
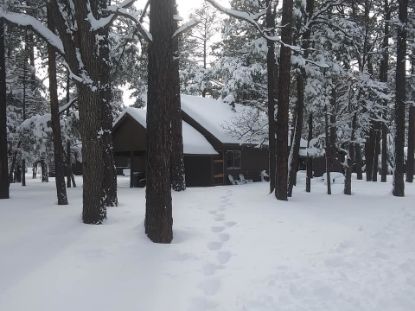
column 213, row 246
column 210, row 287
column 217, row 229
column 223, row 257
column 210, row 269
column 202, row 304
column 230, row 224
column 220, row 217
column 224, row 237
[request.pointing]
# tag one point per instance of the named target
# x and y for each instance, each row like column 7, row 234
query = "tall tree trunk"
column 159, row 219
column 348, row 175
column 68, row 144
column 272, row 95
column 328, row 150
column 284, row 79
column 91, row 110
column 376, row 151
column 350, row 158
column 358, row 163
column 13, row 164
column 110, row 171
column 94, row 94
column 18, row 174
column 369, row 147
column 4, row 165
column 44, row 170
column 56, row 127
column 411, row 130
column 69, row 165
column 411, row 142
column 301, row 81
column 178, row 180
column 23, row 161
column 398, row 177
column 384, row 78
column 309, row 158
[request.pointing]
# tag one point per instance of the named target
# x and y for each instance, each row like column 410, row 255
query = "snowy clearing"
column 235, row 248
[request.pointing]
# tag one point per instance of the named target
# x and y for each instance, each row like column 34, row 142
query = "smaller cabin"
column 211, row 154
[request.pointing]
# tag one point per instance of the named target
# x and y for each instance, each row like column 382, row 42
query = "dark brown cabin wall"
column 129, row 136
column 198, row 170
column 253, row 162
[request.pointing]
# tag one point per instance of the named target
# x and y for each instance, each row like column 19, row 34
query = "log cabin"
column 211, row 153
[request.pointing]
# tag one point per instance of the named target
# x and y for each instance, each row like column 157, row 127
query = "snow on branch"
column 97, row 24
column 68, row 105
column 119, row 11
column 42, row 30
column 252, row 19
column 185, row 27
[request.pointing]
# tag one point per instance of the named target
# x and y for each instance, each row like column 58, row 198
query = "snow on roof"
column 193, row 141
column 214, row 115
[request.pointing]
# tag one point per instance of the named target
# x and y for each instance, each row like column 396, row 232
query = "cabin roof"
column 193, row 141
column 215, row 116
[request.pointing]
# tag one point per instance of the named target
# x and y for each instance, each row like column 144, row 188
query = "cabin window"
column 233, row 159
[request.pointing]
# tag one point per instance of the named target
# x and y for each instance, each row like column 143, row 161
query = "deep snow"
column 235, row 248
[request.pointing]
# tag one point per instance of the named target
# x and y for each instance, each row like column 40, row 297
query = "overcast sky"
column 186, row 6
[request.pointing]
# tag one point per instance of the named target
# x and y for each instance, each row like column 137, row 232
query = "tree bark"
column 350, row 158
column 68, row 165
column 301, row 81
column 384, row 78
column 178, row 179
column 358, row 162
column 398, row 177
column 86, row 53
column 328, row 150
column 411, row 130
column 376, row 151
column 309, row 158
column 23, row 161
column 91, row 109
column 56, row 127
column 272, row 95
column 348, row 176
column 411, row 142
column 284, row 79
column 110, row 171
column 369, row 146
column 4, row 166
column 44, row 169
column 13, row 164
column 159, row 220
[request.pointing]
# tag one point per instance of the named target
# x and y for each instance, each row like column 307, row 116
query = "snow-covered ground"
column 235, row 248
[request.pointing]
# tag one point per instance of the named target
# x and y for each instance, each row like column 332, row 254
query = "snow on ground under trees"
column 235, row 248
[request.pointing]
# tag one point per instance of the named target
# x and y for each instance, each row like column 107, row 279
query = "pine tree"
column 284, row 79
column 159, row 219
column 4, row 167
column 56, row 127
column 398, row 178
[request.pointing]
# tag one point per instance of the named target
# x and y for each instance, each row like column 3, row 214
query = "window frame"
column 239, row 156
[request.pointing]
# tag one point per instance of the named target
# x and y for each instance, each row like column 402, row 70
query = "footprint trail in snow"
column 211, row 283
